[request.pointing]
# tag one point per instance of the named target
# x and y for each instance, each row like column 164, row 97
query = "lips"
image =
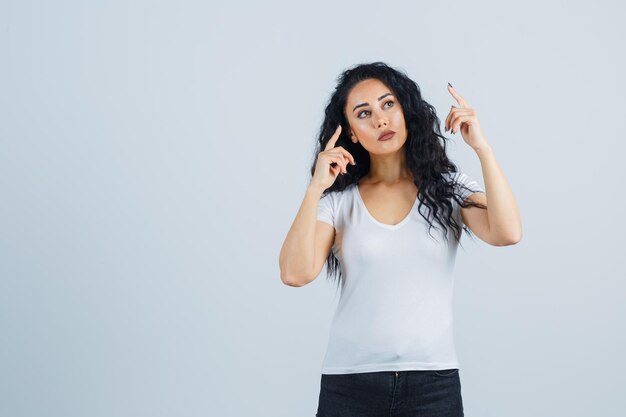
column 386, row 135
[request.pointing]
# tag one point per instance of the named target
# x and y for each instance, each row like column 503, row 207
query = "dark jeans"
column 391, row 394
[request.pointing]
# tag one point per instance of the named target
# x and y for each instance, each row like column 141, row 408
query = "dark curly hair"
column 425, row 149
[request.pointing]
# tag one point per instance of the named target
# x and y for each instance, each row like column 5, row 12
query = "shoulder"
column 335, row 199
column 330, row 207
column 455, row 177
column 463, row 185
column 338, row 194
column 459, row 178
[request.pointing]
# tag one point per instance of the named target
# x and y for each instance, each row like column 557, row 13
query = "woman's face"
column 371, row 109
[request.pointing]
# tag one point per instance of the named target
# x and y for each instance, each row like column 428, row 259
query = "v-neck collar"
column 384, row 225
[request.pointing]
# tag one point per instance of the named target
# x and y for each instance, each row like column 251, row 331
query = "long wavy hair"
column 425, row 149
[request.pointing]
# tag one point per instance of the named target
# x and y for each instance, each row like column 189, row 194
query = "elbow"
column 516, row 237
column 510, row 240
column 292, row 281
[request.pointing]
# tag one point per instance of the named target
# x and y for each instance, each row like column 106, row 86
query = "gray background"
column 154, row 154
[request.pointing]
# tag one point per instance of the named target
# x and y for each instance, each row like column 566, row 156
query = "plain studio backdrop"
column 153, row 156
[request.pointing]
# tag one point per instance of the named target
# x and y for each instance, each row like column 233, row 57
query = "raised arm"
column 307, row 244
column 500, row 224
column 309, row 240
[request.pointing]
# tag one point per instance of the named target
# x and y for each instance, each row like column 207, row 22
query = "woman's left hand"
column 465, row 120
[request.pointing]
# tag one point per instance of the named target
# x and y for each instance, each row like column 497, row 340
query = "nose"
column 380, row 120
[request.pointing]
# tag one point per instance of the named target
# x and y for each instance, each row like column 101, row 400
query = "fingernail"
column 450, row 85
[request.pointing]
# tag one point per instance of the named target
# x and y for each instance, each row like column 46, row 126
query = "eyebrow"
column 367, row 104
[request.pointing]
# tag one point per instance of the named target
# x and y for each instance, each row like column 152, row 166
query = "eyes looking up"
column 366, row 111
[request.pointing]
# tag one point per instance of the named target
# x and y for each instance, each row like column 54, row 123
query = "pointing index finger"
column 457, row 96
column 333, row 139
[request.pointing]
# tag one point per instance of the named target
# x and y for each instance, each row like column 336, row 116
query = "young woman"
column 384, row 210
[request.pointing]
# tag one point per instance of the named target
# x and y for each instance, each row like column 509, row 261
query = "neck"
column 388, row 169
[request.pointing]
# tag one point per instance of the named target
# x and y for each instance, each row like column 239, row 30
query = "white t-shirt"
column 395, row 308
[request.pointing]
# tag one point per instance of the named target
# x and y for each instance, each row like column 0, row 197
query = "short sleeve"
column 465, row 186
column 325, row 209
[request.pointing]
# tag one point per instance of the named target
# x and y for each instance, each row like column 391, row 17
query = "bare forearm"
column 504, row 218
column 298, row 252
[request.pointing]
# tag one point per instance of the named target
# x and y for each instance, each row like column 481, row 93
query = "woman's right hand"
column 326, row 174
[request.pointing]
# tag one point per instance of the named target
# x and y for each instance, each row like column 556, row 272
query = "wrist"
column 483, row 149
column 315, row 188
